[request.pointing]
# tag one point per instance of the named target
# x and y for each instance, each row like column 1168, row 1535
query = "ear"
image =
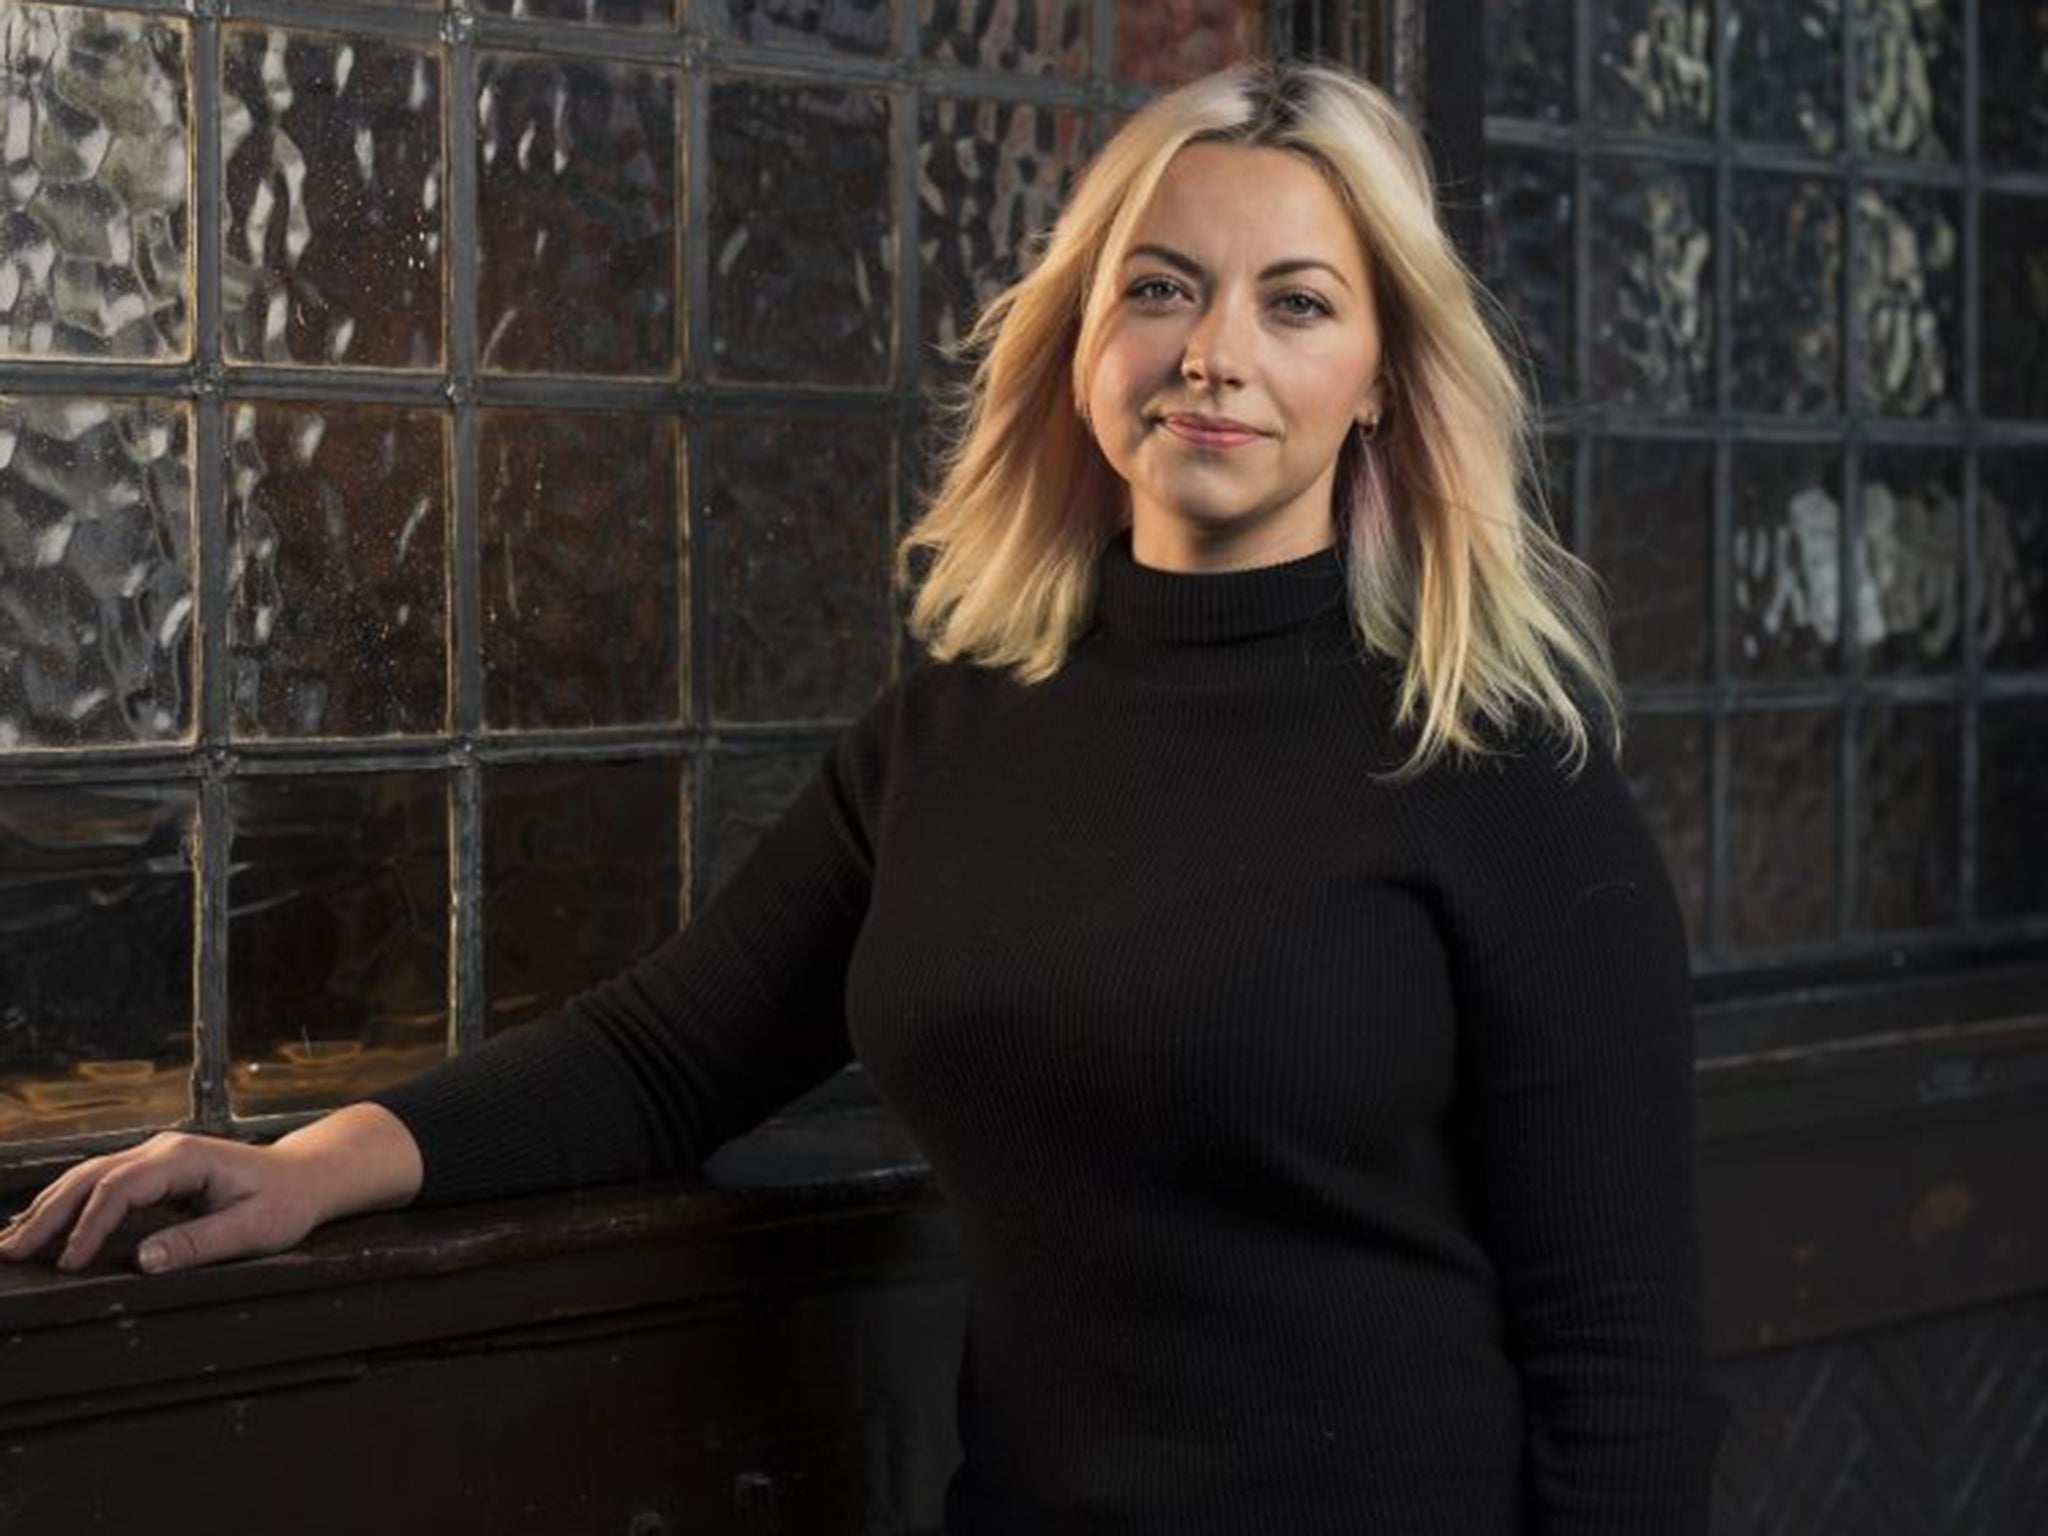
column 1378, row 398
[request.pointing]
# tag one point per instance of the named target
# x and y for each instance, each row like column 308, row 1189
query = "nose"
column 1216, row 344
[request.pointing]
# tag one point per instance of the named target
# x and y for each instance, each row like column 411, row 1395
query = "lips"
column 1210, row 431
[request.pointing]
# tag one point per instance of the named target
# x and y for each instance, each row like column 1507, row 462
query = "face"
column 1246, row 296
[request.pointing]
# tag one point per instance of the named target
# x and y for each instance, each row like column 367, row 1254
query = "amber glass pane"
column 1038, row 37
column 581, row 568
column 803, row 282
column 796, row 521
column 1781, row 831
column 337, row 570
column 95, row 253
column 333, row 177
column 96, row 579
column 95, row 957
column 576, row 216
column 583, row 873
column 989, row 175
column 337, row 935
column 1164, row 43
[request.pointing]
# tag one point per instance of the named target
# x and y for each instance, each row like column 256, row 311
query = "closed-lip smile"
column 1194, row 424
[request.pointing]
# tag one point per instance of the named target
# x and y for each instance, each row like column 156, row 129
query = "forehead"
column 1250, row 198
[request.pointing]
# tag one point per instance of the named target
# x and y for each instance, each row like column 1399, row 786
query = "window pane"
column 1781, row 832
column 1785, row 72
column 2013, row 54
column 850, row 26
column 1529, row 58
column 96, row 962
column 2012, row 621
column 1528, row 260
column 1907, row 290
column 1652, row 305
column 2012, row 800
column 749, row 791
column 96, row 577
column 1787, row 238
column 333, row 182
column 95, row 254
column 337, row 570
column 337, row 936
column 1909, row 76
column 1019, row 37
column 1164, row 43
column 1909, row 562
column 1653, row 64
column 605, row 13
column 576, row 216
column 1787, row 551
column 2015, row 314
column 1652, row 543
column 1666, row 759
column 1909, row 778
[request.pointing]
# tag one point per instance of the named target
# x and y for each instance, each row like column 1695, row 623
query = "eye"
column 1138, row 290
column 1315, row 305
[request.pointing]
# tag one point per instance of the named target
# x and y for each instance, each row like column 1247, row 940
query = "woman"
column 1303, row 1042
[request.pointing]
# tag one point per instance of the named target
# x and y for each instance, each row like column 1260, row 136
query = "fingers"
column 51, row 1211
column 90, row 1200
column 138, row 1182
column 221, row 1235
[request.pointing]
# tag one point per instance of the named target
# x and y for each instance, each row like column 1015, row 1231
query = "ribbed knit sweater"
column 1322, row 1149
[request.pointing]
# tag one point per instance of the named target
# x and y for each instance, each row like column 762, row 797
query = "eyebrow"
column 1193, row 268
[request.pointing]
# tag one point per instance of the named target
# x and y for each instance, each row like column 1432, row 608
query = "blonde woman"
column 1241, row 905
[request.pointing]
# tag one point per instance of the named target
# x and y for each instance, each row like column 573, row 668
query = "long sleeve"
column 739, row 1011
column 1577, row 1090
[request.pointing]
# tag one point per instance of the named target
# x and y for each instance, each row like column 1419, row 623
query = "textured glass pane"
column 1788, row 294
column 1781, row 826
column 2015, row 298
column 576, row 216
column 95, row 957
column 337, row 570
column 604, row 13
column 95, row 219
column 332, row 173
column 749, row 791
column 1653, row 64
column 1785, row 71
column 849, row 26
column 1665, row 759
column 581, row 568
column 2013, row 48
column 2012, row 622
column 1909, row 794
column 1909, row 561
column 1164, row 43
column 1652, row 543
column 2012, row 805
column 1528, row 259
column 1037, row 37
column 582, row 875
column 1906, row 289
column 1909, row 76
column 1787, row 578
column 804, row 251
column 337, row 936
column 96, row 580
column 989, row 174
column 1652, row 304
column 796, row 524
column 1529, row 58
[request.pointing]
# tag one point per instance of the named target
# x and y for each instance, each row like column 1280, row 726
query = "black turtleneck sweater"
column 1322, row 1150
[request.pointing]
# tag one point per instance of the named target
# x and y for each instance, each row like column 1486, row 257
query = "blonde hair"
column 1455, row 569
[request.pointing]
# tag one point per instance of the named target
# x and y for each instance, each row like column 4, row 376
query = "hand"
column 257, row 1200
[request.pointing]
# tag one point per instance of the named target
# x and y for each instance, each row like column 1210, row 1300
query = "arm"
column 1577, row 1095
column 732, row 1016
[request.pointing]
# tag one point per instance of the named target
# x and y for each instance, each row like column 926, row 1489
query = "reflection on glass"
column 337, row 936
column 1908, row 815
column 95, row 253
column 1906, row 282
column 847, row 26
column 1787, row 238
column 1652, row 527
column 1164, row 43
column 1909, row 77
column 337, row 570
column 804, row 248
column 576, row 216
column 583, row 874
column 1781, row 826
column 796, row 522
column 1652, row 304
column 581, row 580
column 2012, row 553
column 1787, row 550
column 1785, row 72
column 1909, row 561
column 332, row 178
column 96, row 961
column 989, row 175
column 1041, row 37
column 1653, row 65
column 96, row 578
column 2012, row 877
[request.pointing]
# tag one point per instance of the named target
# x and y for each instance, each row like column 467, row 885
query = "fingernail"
column 152, row 1257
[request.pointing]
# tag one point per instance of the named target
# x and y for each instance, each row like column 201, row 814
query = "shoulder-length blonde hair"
column 1455, row 569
